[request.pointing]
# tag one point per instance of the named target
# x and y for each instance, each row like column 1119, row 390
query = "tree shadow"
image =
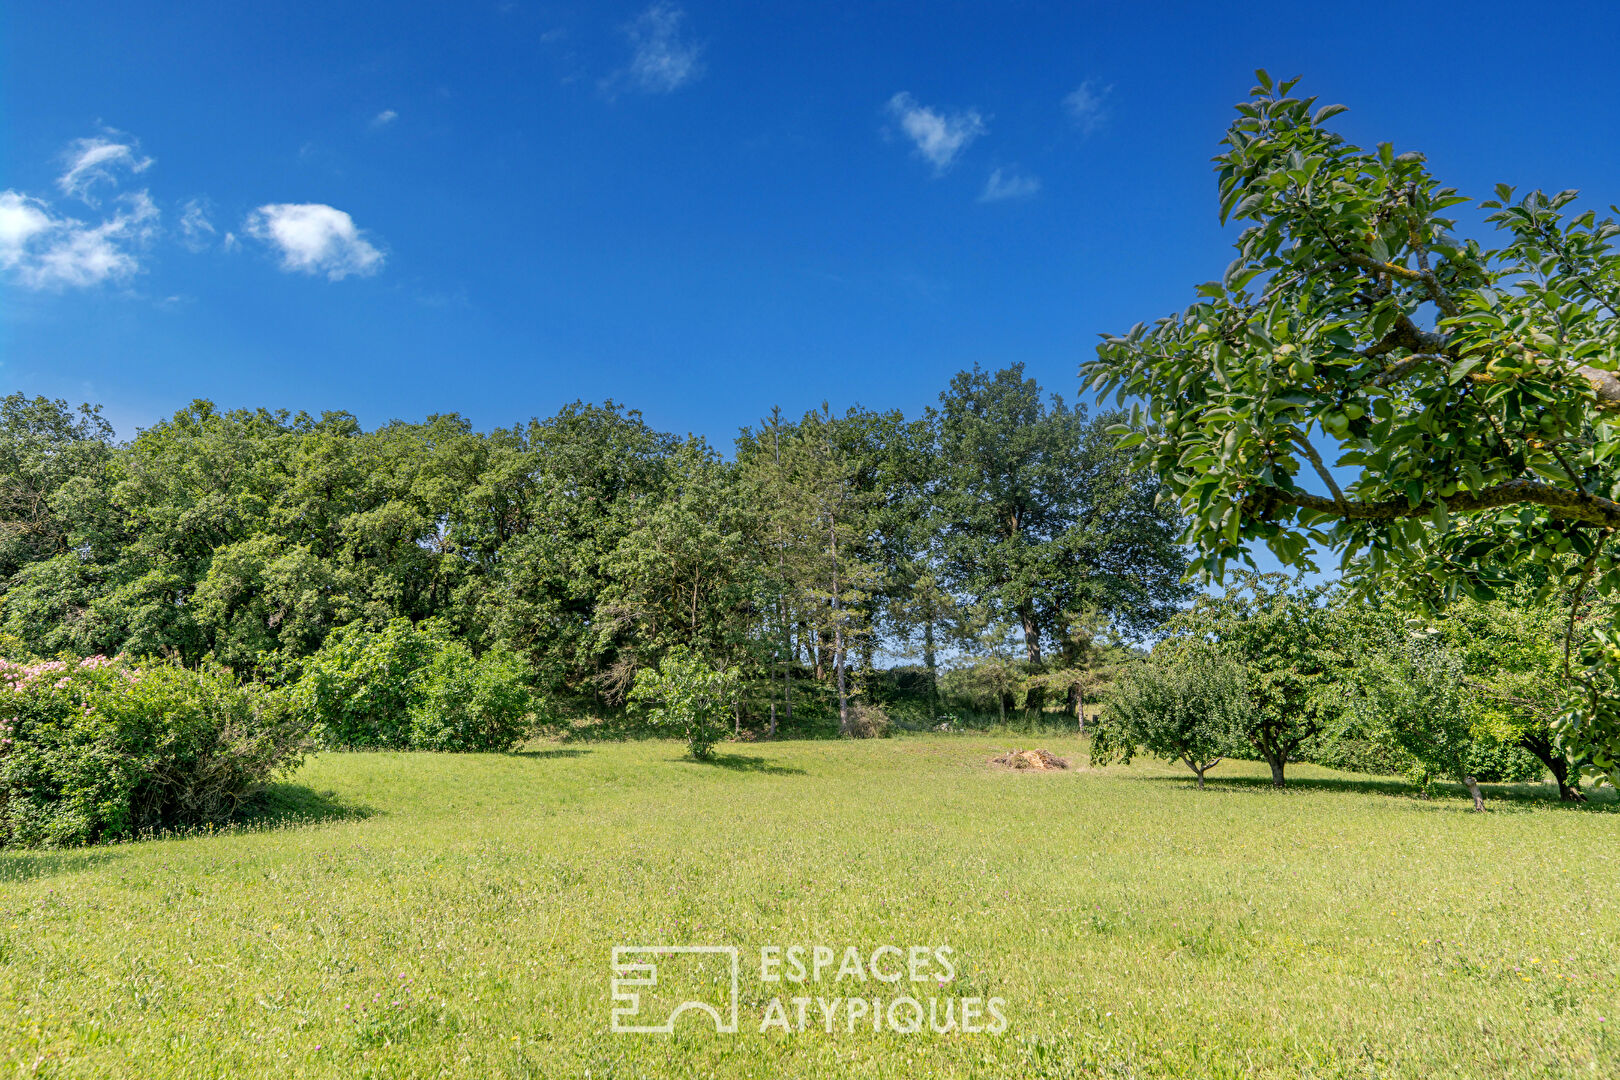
column 1602, row 801
column 550, row 753
column 282, row 805
column 743, row 763
column 17, row 867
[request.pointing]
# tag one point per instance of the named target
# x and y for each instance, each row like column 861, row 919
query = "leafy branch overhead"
column 1443, row 410
column 1452, row 379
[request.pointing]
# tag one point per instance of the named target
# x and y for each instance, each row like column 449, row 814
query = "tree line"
column 825, row 558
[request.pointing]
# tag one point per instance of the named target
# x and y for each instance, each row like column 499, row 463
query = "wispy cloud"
column 40, row 250
column 663, row 58
column 1087, row 106
column 314, row 238
column 196, row 230
column 43, row 249
column 97, row 160
column 939, row 137
column 1009, row 183
column 384, row 118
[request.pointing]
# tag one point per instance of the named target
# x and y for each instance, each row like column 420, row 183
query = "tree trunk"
column 838, row 633
column 1473, row 789
column 1566, row 791
column 781, row 606
column 1276, row 764
column 1035, row 698
column 787, row 694
column 868, row 670
column 931, row 662
column 771, row 731
column 1556, row 763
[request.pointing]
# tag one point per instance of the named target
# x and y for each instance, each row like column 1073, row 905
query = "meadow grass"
column 424, row 915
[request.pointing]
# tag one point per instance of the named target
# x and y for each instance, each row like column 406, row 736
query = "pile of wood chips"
column 1039, row 760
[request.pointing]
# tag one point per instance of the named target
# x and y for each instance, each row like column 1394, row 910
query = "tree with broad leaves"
column 1185, row 703
column 1445, row 413
column 1281, row 634
column 688, row 694
column 1410, row 690
column 1042, row 516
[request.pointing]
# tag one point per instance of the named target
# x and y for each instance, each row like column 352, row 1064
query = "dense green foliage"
column 1282, row 636
column 1036, row 500
column 1185, row 703
column 588, row 545
column 96, row 749
column 1324, row 677
column 1409, row 688
column 684, row 694
column 410, row 687
column 1466, row 395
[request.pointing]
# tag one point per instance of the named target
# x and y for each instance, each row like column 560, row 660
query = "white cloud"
column 315, row 239
column 196, row 231
column 384, row 118
column 42, row 251
column 1087, row 105
column 1009, row 183
column 21, row 219
column 663, row 58
column 939, row 137
column 96, row 160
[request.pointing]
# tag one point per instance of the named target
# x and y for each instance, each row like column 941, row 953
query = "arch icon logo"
column 654, row 984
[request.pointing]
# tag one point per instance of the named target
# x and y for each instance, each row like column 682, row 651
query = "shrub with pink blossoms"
column 97, row 749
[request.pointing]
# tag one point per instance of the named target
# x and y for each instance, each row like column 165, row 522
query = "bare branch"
column 1426, row 278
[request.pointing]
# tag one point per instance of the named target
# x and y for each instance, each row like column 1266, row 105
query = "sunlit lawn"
column 454, row 916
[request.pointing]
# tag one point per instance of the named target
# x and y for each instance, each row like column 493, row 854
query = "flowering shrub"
column 97, row 749
column 408, row 687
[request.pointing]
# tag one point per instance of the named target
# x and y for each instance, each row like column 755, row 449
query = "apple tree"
column 1442, row 410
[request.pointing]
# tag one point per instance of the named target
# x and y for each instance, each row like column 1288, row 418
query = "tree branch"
column 1321, row 470
column 1575, row 505
column 1396, row 372
column 1426, row 278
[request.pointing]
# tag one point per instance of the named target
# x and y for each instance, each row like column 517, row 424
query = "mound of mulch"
column 1038, row 760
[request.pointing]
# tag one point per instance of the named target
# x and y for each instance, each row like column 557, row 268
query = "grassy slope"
column 1135, row 926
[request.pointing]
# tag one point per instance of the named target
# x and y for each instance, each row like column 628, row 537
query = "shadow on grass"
column 17, row 867
column 550, row 753
column 279, row 806
column 285, row 805
column 1602, row 801
column 743, row 763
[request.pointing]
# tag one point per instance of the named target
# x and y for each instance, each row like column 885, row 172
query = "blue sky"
column 699, row 209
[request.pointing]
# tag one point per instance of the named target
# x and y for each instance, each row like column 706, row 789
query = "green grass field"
column 454, row 916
